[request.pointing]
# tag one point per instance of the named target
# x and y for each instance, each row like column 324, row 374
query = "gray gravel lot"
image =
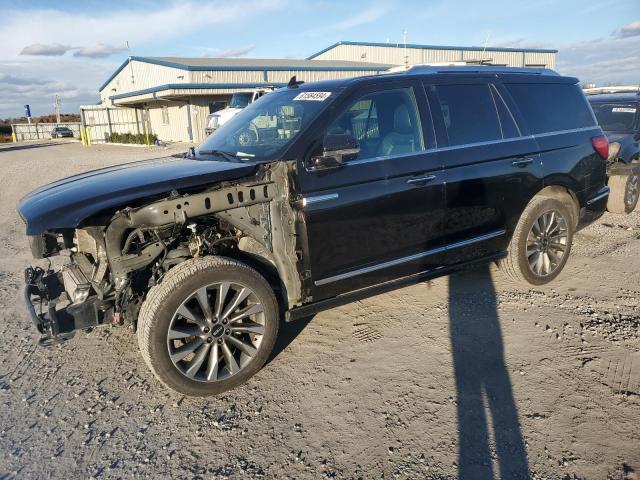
column 467, row 376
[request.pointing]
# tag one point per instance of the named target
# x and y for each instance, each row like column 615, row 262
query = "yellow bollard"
column 82, row 136
column 13, row 135
column 88, row 137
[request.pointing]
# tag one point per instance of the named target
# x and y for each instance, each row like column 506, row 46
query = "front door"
column 372, row 219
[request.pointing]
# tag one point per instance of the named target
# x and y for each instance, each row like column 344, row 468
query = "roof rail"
column 612, row 89
column 460, row 67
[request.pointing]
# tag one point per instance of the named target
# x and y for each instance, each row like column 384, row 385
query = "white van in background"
column 239, row 100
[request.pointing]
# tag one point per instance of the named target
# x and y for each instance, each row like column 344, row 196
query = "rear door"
column 373, row 219
column 491, row 166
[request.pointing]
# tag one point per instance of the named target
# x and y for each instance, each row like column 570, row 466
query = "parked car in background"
column 619, row 116
column 61, row 132
column 343, row 189
column 239, row 101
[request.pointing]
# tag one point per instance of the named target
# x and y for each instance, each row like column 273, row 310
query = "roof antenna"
column 293, row 83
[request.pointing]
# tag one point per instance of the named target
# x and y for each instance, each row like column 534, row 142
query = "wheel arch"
column 563, row 192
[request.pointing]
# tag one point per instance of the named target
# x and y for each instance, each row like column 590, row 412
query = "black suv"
column 314, row 196
column 619, row 116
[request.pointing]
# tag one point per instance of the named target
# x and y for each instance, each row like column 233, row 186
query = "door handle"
column 421, row 180
column 522, row 162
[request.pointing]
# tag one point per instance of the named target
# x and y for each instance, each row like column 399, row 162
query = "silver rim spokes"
column 216, row 331
column 547, row 243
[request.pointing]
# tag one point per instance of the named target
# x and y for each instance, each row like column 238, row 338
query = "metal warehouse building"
column 399, row 54
column 172, row 96
column 177, row 94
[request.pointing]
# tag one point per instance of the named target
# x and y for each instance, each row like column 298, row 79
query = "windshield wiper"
column 230, row 157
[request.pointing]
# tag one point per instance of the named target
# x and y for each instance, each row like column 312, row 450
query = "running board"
column 311, row 309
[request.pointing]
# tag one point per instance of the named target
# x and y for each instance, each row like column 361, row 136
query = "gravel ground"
column 465, row 376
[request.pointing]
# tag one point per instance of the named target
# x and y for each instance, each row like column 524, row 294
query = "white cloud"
column 99, row 51
column 53, row 33
column 230, row 53
column 370, row 15
column 134, row 25
column 631, row 30
column 52, row 49
column 602, row 61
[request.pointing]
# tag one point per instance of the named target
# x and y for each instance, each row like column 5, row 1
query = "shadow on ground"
column 13, row 147
column 482, row 382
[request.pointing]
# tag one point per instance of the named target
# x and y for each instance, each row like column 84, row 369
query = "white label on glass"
column 313, row 96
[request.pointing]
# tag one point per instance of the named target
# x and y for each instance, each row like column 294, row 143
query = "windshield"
column 268, row 125
column 240, row 100
column 615, row 117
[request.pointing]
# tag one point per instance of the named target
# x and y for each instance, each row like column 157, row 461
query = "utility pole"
column 133, row 80
column 56, row 105
column 406, row 57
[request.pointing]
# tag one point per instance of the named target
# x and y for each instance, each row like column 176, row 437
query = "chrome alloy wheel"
column 547, row 243
column 216, row 331
column 631, row 197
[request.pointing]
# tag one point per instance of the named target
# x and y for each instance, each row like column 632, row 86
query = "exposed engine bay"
column 112, row 266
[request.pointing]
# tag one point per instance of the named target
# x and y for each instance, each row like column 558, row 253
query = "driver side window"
column 384, row 123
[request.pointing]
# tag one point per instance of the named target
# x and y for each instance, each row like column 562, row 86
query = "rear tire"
column 541, row 242
column 624, row 193
column 221, row 313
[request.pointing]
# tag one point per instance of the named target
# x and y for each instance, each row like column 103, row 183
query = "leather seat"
column 402, row 138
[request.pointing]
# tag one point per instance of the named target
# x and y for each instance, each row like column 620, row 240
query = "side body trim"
column 410, row 258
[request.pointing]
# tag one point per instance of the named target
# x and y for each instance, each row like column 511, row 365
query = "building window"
column 165, row 115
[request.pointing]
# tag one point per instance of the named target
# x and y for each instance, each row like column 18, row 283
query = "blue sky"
column 71, row 47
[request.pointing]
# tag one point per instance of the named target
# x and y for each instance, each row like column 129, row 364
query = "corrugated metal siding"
column 177, row 130
column 394, row 54
column 145, row 75
column 540, row 58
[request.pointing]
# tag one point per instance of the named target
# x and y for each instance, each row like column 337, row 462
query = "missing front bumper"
column 54, row 316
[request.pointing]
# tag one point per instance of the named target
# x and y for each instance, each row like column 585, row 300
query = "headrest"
column 402, row 120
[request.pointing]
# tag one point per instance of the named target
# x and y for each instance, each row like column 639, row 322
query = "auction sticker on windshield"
column 623, row 110
column 313, row 96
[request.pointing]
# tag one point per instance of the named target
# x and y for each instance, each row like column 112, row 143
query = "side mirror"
column 336, row 149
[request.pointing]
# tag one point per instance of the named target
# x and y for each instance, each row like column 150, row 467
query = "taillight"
column 601, row 145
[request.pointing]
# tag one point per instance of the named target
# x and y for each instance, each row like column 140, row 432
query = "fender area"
column 565, row 193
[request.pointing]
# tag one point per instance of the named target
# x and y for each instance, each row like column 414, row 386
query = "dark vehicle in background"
column 619, row 116
column 61, row 132
column 314, row 196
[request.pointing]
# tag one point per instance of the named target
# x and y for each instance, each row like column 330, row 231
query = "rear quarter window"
column 552, row 107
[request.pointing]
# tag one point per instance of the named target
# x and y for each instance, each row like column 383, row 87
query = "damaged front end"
column 112, row 266
column 56, row 312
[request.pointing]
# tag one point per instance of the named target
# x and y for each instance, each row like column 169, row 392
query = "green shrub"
column 139, row 138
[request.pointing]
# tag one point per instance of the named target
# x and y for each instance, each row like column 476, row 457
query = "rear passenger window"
column 469, row 113
column 551, row 107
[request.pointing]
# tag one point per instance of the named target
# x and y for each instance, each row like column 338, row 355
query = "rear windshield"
column 552, row 107
column 616, row 117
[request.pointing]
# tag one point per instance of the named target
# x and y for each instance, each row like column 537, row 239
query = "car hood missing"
column 67, row 202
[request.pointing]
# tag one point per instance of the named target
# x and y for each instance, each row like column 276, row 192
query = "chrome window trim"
column 318, row 198
column 598, row 197
column 470, row 145
column 410, row 258
column 572, row 130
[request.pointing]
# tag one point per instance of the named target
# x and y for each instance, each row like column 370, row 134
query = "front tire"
column 209, row 326
column 541, row 242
